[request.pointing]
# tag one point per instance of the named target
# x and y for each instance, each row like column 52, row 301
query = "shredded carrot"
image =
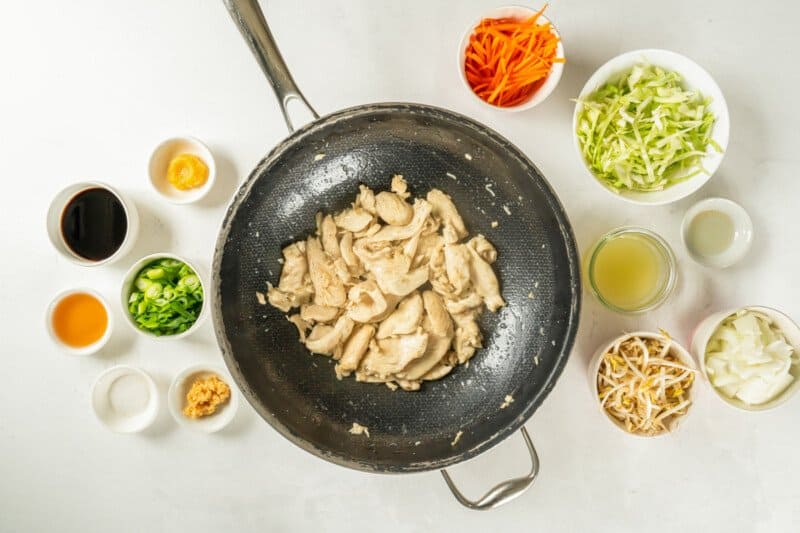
column 507, row 60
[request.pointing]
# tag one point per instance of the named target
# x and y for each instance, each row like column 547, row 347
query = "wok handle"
column 249, row 18
column 503, row 492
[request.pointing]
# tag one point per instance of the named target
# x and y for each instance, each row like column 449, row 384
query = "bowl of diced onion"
column 750, row 356
column 651, row 126
column 643, row 383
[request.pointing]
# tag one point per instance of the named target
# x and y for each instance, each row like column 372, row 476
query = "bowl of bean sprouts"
column 643, row 382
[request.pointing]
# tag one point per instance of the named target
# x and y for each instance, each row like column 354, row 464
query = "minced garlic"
column 205, row 396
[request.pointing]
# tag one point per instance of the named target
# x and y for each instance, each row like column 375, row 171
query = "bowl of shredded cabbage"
column 643, row 383
column 651, row 126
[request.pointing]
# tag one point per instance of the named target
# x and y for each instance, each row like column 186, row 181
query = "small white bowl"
column 177, row 396
column 126, row 406
column 159, row 163
column 85, row 350
column 56, row 211
column 675, row 349
column 127, row 285
column 694, row 77
column 550, row 83
column 706, row 328
column 742, row 232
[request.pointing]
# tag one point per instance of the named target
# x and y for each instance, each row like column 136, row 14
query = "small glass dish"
column 666, row 275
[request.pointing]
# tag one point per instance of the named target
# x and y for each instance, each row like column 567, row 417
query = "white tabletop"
column 90, row 87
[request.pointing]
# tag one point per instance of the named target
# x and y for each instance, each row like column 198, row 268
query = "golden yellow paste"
column 205, row 396
column 187, row 171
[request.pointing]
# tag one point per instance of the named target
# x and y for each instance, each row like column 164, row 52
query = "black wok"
column 526, row 344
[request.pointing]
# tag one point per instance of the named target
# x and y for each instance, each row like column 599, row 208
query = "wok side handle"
column 249, row 18
column 503, row 492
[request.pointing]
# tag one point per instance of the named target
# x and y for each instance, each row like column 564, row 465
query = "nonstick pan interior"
column 526, row 344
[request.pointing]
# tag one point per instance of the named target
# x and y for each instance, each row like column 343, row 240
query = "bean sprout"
column 644, row 386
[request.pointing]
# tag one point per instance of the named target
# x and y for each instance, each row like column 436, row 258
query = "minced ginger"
column 205, row 396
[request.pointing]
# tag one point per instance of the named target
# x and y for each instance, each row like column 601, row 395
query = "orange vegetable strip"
column 507, row 59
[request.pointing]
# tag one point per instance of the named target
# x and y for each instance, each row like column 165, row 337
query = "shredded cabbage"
column 644, row 131
column 749, row 358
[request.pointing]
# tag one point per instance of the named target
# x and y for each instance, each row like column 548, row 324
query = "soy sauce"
column 94, row 224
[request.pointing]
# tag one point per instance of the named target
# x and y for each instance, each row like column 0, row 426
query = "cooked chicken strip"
column 389, row 356
column 324, row 339
column 328, row 288
column 443, row 207
column 437, row 320
column 346, row 250
column 318, row 313
column 399, row 186
column 485, row 249
column 329, row 241
column 456, row 262
column 438, row 372
column 393, row 209
column 408, row 385
column 469, row 302
column 435, row 350
column 279, row 299
column 295, row 268
column 406, row 319
column 354, row 219
column 301, row 325
column 354, row 350
column 485, row 281
column 366, row 199
column 401, row 285
column 366, row 301
column 396, row 233
column 467, row 336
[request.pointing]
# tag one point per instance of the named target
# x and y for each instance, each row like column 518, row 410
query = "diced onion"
column 748, row 358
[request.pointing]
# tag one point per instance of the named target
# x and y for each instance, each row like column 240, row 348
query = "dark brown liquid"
column 94, row 224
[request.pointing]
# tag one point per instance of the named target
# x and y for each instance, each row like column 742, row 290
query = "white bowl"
column 85, row 350
column 675, row 349
column 125, row 407
column 706, row 328
column 553, row 77
column 694, row 77
column 56, row 210
column 180, row 387
column 127, row 284
column 742, row 231
column 159, row 163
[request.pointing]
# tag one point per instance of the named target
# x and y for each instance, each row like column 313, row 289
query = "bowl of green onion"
column 163, row 296
column 651, row 126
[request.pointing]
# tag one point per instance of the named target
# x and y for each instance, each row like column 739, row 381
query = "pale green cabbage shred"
column 644, row 131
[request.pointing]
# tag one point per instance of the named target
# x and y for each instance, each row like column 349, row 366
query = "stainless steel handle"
column 503, row 492
column 249, row 18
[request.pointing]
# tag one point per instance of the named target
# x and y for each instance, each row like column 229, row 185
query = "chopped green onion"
column 644, row 131
column 170, row 305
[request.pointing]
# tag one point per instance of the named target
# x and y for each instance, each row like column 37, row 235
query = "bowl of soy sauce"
column 92, row 224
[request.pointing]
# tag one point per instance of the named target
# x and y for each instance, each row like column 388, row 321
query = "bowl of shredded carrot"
column 512, row 58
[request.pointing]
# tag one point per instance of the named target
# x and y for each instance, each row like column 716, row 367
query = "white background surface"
column 90, row 87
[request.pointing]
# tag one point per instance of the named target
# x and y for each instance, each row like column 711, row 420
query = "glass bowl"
column 667, row 275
